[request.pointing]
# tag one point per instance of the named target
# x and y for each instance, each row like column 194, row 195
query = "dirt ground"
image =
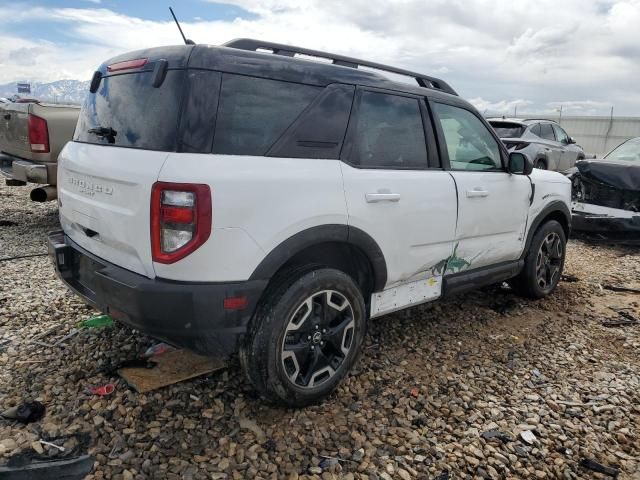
column 432, row 382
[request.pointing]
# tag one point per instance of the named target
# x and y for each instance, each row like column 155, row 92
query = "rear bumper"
column 190, row 315
column 16, row 168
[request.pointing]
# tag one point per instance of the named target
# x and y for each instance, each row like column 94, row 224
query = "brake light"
column 127, row 65
column 38, row 134
column 181, row 217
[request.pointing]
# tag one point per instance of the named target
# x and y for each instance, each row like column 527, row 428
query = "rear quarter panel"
column 258, row 203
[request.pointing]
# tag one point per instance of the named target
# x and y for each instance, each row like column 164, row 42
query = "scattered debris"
column 248, row 424
column 99, row 321
column 414, row 392
column 620, row 288
column 8, row 223
column 49, row 444
column 496, row 433
column 528, row 436
column 564, row 451
column 67, row 469
column 536, row 372
column 172, row 367
column 158, row 349
column 27, row 412
column 569, row 278
column 102, row 391
column 328, row 462
column 618, row 322
column 598, row 467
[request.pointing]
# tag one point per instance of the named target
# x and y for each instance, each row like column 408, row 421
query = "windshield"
column 508, row 130
column 628, row 151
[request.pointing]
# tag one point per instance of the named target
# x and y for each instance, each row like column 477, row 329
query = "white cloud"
column 497, row 52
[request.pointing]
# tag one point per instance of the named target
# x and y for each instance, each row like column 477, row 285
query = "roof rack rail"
column 539, row 119
column 290, row 51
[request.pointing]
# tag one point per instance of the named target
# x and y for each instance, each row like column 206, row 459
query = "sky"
column 533, row 55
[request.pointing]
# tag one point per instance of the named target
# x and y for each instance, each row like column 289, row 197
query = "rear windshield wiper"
column 105, row 132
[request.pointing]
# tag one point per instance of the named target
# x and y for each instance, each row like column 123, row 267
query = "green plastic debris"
column 99, row 321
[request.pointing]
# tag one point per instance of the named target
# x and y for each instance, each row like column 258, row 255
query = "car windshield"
column 508, row 130
column 628, row 151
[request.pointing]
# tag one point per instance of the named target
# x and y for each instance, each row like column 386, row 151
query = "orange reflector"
column 235, row 303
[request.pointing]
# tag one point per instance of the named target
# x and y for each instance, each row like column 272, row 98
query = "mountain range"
column 60, row 91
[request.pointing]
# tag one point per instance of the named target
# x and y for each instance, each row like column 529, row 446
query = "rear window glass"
column 254, row 112
column 508, row 130
column 127, row 111
column 388, row 133
column 546, row 131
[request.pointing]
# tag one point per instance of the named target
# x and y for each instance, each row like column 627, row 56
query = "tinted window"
column 546, row 131
column 139, row 115
column 561, row 135
column 536, row 129
column 199, row 111
column 508, row 130
column 254, row 112
column 469, row 143
column 388, row 132
column 320, row 130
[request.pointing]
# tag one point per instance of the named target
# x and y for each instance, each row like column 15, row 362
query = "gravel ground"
column 432, row 381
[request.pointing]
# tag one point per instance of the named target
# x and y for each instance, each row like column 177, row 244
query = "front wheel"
column 544, row 262
column 305, row 337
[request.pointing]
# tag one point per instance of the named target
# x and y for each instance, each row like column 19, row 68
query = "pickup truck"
column 31, row 137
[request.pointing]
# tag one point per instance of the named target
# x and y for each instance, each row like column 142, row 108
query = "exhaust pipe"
column 44, row 194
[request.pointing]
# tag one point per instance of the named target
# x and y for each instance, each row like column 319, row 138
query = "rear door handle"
column 477, row 192
column 382, row 197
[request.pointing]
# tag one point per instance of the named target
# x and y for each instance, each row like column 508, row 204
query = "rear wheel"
column 540, row 164
column 305, row 337
column 544, row 262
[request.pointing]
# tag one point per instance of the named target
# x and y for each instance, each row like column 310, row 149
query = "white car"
column 229, row 200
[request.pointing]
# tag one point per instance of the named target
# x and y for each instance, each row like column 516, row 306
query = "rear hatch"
column 124, row 133
column 510, row 133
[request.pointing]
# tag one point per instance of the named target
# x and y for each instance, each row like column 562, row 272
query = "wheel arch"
column 339, row 246
column 558, row 211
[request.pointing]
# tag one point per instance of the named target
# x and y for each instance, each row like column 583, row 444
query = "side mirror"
column 520, row 164
column 571, row 140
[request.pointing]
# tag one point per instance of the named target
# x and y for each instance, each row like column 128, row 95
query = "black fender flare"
column 310, row 237
column 553, row 207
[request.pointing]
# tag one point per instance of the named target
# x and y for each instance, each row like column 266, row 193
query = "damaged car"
column 606, row 192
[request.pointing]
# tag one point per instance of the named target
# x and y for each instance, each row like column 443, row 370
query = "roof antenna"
column 186, row 40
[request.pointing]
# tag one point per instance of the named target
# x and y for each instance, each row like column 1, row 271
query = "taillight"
column 181, row 217
column 127, row 65
column 38, row 134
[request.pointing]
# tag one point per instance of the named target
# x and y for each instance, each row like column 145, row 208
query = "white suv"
column 242, row 199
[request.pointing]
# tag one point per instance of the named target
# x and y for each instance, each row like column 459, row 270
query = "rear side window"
column 127, row 111
column 536, row 129
column 254, row 112
column 546, row 131
column 388, row 133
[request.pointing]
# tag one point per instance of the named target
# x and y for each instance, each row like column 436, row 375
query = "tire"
column 540, row 164
column 305, row 337
column 544, row 262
